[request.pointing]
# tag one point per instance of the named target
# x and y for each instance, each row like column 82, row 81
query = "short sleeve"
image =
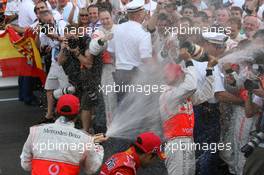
column 145, row 46
column 219, row 82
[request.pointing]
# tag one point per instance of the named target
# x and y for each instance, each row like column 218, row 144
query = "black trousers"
column 123, row 78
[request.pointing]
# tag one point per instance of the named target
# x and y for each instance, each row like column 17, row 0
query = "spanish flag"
column 19, row 56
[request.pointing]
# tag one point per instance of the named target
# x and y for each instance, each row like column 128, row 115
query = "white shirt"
column 150, row 7
column 54, row 44
column 260, row 11
column 201, row 75
column 26, row 14
column 201, row 6
column 131, row 44
column 238, row 3
column 12, row 7
column 66, row 12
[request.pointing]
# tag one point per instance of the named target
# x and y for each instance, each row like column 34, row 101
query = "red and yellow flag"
column 19, row 56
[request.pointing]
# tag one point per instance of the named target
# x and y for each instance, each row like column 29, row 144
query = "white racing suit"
column 176, row 108
column 242, row 128
column 60, row 149
column 236, row 128
column 107, row 80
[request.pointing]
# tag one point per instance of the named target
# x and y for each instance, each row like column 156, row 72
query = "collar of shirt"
column 64, row 121
column 132, row 152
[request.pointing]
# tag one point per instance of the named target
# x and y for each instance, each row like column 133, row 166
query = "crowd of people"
column 211, row 97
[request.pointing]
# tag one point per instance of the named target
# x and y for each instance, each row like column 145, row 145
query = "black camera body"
column 257, row 138
column 73, row 42
column 44, row 28
column 250, row 85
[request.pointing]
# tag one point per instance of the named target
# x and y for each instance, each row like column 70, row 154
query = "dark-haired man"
column 145, row 151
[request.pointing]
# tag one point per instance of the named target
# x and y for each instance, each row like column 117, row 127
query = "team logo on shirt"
column 111, row 163
column 54, row 169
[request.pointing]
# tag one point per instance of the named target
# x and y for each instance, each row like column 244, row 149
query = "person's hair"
column 190, row 6
column 182, row 19
column 101, row 10
column 68, row 109
column 70, row 27
column 164, row 17
column 105, row 5
column 82, row 10
column 235, row 20
column 203, row 15
column 35, row 7
column 236, row 8
column 258, row 20
column 259, row 34
column 92, row 6
column 226, row 9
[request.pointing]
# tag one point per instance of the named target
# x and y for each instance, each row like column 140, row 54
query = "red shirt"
column 124, row 163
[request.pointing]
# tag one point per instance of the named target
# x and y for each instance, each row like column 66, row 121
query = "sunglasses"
column 84, row 15
column 38, row 8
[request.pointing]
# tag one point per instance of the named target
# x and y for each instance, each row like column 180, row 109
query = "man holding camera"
column 254, row 150
column 83, row 69
column 51, row 33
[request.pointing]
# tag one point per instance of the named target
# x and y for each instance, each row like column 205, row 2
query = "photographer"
column 83, row 69
column 255, row 162
column 51, row 33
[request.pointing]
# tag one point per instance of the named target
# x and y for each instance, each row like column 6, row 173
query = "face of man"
column 161, row 26
column 214, row 49
column 234, row 30
column 53, row 3
column 106, row 20
column 84, row 17
column 210, row 16
column 47, row 18
column 188, row 13
column 222, row 16
column 62, row 3
column 40, row 7
column 93, row 14
column 236, row 13
column 250, row 25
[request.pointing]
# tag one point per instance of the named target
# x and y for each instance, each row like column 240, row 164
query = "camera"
column 252, row 144
column 258, row 68
column 44, row 28
column 250, row 85
column 73, row 42
column 257, row 138
column 59, row 92
column 196, row 51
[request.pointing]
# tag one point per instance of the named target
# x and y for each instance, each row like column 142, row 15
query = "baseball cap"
column 135, row 5
column 150, row 143
column 68, row 105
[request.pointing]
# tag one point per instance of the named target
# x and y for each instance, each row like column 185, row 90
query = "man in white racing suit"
column 176, row 108
column 59, row 148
